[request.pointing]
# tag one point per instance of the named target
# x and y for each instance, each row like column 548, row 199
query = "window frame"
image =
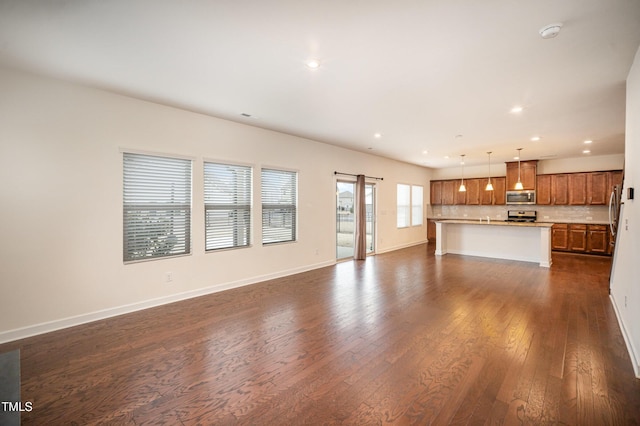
column 149, row 187
column 245, row 208
column 419, row 214
column 413, row 213
column 275, row 207
column 403, row 205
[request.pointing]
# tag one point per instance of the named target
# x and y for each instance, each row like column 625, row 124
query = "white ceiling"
column 420, row 72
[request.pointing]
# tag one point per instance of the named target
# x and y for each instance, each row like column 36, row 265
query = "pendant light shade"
column 489, row 185
column 462, row 187
column 519, row 183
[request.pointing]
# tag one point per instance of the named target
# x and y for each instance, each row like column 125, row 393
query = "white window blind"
column 227, row 206
column 157, row 206
column 279, row 206
column 403, row 205
column 416, row 205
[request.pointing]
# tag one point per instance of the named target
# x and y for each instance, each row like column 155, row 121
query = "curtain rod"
column 351, row 174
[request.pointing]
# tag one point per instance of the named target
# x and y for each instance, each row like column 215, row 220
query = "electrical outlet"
column 464, row 215
column 625, row 301
column 546, row 217
column 589, row 218
column 168, row 277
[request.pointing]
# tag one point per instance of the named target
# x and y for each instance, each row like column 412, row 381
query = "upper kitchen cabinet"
column 459, row 197
column 436, row 192
column 499, row 188
column 473, row 191
column 577, row 189
column 592, row 188
column 598, row 188
column 552, row 189
column 528, row 172
column 495, row 197
column 449, row 192
column 615, row 178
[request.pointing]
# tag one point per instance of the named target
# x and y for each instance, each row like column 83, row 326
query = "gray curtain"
column 360, row 249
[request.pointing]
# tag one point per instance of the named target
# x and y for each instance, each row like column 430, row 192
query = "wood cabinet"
column 445, row 192
column 528, row 172
column 598, row 188
column 459, row 198
column 560, row 237
column 615, row 178
column 577, row 237
column 580, row 238
column 435, row 193
column 598, row 239
column 588, row 188
column 577, row 189
column 552, row 189
column 499, row 188
column 431, row 230
column 543, row 191
column 473, row 191
column 449, row 192
column 560, row 189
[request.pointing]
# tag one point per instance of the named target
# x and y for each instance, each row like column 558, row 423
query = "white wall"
column 61, row 217
column 625, row 284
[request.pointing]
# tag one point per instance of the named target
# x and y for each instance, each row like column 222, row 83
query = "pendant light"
column 462, row 187
column 489, row 186
column 519, row 186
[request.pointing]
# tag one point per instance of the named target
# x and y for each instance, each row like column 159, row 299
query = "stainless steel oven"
column 521, row 197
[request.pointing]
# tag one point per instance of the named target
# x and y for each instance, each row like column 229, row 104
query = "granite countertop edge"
column 546, row 221
column 497, row 223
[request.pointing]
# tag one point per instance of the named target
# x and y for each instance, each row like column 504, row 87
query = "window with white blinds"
column 227, row 206
column 403, row 204
column 409, row 205
column 416, row 205
column 279, row 206
column 157, row 206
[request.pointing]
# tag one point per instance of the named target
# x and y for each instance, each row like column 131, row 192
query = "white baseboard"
column 402, row 246
column 46, row 327
column 632, row 351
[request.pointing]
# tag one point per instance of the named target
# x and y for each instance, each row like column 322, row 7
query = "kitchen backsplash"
column 579, row 214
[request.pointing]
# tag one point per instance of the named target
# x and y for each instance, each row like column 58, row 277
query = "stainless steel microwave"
column 521, row 197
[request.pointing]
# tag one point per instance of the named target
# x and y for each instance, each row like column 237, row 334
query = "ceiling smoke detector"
column 550, row 31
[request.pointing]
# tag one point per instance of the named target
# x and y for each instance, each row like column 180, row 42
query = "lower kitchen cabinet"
column 598, row 239
column 577, row 238
column 560, row 237
column 431, row 230
column 580, row 238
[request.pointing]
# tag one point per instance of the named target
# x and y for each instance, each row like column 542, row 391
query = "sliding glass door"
column 345, row 218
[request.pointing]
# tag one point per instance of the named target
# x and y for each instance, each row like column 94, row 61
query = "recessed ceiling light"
column 550, row 31
column 516, row 109
column 588, row 142
column 586, row 151
column 313, row 64
column 446, row 156
column 535, row 139
column 377, row 135
column 516, row 158
column 425, row 152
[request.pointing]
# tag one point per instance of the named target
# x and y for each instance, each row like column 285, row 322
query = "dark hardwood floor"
column 404, row 337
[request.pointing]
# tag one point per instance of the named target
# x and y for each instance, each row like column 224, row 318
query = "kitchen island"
column 528, row 242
